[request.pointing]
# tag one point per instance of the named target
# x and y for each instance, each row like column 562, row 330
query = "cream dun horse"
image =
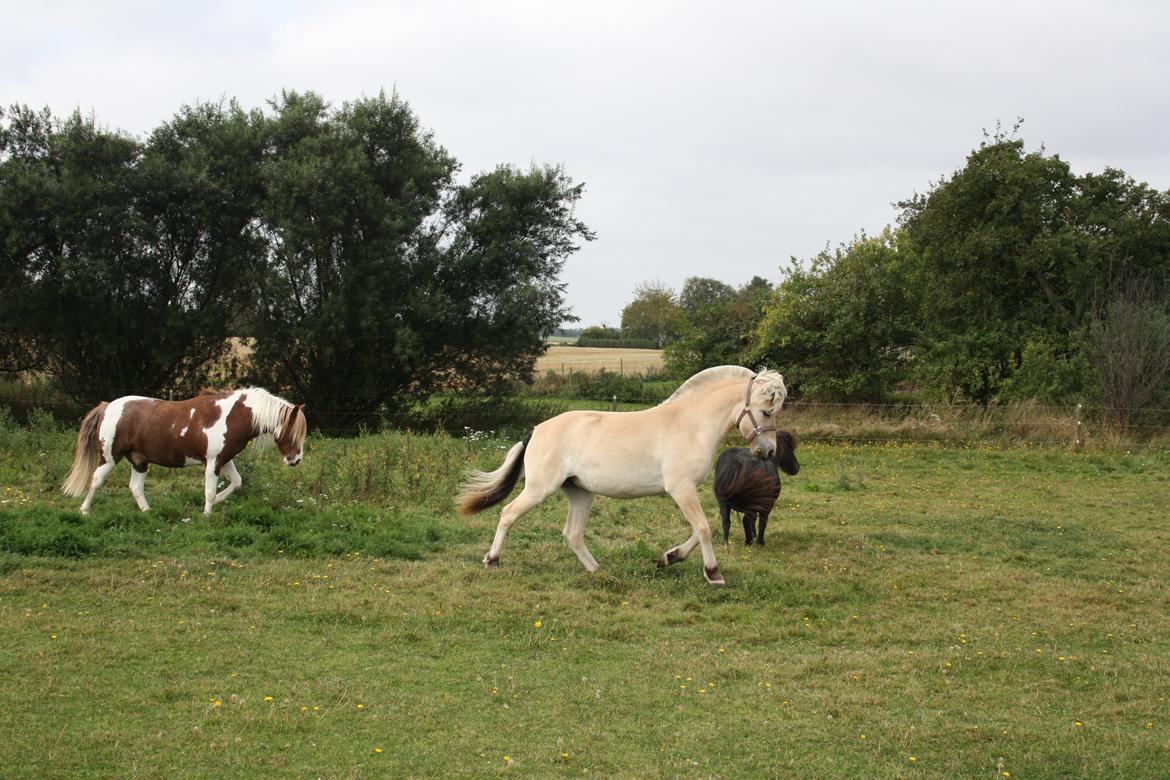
column 666, row 449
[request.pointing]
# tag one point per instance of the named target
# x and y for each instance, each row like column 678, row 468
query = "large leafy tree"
column 386, row 279
column 840, row 327
column 1012, row 252
column 123, row 261
column 654, row 314
column 721, row 323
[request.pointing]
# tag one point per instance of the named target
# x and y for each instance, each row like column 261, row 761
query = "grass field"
column 918, row 611
column 590, row 360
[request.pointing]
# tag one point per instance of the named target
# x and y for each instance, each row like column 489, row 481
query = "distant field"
column 590, row 360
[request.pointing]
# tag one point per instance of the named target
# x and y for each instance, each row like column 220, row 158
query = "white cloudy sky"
column 715, row 138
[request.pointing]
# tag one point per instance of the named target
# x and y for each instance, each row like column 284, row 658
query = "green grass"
column 980, row 610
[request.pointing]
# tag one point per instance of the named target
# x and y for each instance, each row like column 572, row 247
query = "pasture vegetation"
column 919, row 610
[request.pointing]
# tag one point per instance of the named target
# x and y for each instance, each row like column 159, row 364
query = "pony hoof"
column 491, row 563
column 668, row 558
column 714, row 576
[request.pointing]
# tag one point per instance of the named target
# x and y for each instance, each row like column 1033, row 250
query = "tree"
column 653, row 314
column 700, row 292
column 1011, row 251
column 1130, row 346
column 386, row 280
column 840, row 328
column 721, row 324
column 124, row 261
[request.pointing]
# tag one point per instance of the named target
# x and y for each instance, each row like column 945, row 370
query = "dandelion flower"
column 537, row 624
column 377, row 750
column 267, row 698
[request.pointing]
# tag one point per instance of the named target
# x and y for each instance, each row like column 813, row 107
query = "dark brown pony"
column 751, row 485
column 209, row 429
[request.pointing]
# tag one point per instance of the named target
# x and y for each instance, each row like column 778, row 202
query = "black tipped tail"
column 483, row 489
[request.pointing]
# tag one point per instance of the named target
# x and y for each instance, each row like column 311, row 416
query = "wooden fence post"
column 615, row 403
column 1080, row 429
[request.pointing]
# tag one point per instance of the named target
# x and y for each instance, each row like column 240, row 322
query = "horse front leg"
column 234, row 481
column 687, row 499
column 725, row 515
column 210, row 482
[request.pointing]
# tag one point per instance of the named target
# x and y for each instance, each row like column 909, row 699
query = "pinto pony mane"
column 270, row 415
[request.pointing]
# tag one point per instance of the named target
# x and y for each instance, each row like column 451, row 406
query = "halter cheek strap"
column 747, row 410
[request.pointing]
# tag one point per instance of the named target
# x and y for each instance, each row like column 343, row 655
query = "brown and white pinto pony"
column 209, row 429
column 665, row 449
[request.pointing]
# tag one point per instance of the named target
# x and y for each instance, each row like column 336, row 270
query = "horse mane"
column 773, row 384
column 270, row 414
column 705, row 377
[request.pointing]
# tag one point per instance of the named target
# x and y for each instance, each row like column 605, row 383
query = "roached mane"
column 706, row 376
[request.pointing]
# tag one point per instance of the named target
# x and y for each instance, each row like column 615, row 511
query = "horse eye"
column 767, row 414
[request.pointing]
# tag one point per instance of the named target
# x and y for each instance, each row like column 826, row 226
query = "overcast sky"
column 714, row 138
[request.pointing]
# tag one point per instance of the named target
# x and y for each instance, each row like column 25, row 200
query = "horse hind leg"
column 527, row 499
column 95, row 482
column 234, row 481
column 138, row 485
column 579, row 503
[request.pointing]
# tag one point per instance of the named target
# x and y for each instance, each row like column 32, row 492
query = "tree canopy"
column 338, row 238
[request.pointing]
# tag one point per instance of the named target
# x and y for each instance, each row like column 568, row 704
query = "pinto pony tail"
column 85, row 457
column 482, row 489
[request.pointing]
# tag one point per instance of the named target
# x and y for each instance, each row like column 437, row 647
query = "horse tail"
column 85, row 456
column 482, row 489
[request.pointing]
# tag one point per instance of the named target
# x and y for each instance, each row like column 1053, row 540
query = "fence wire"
column 943, row 423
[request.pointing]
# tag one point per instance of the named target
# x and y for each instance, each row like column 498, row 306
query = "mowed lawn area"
column 917, row 612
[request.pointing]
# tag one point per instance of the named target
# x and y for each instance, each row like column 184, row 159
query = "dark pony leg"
column 725, row 513
column 749, row 527
column 763, row 525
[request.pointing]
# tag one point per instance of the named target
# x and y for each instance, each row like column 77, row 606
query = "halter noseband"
column 747, row 404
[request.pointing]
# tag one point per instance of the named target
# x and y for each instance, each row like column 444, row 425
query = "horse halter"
column 747, row 409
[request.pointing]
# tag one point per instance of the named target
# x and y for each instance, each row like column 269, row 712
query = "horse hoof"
column 491, row 563
column 668, row 558
column 714, row 576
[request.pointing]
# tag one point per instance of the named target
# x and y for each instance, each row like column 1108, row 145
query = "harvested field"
column 590, row 360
